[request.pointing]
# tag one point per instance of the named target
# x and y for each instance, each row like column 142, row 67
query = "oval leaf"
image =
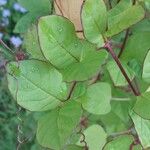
column 32, row 43
column 142, row 127
column 142, row 105
column 36, row 9
column 95, row 137
column 97, row 98
column 89, row 66
column 55, row 127
column 58, row 40
column 36, row 85
column 122, row 142
column 125, row 19
column 94, row 19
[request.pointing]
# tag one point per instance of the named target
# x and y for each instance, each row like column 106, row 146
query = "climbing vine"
column 92, row 89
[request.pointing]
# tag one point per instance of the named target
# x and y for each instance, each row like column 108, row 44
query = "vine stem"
column 135, row 142
column 71, row 89
column 121, row 133
column 124, row 42
column 110, row 50
column 109, row 2
column 83, row 140
column 126, row 34
column 4, row 45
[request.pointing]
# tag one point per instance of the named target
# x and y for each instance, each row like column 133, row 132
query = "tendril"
column 83, row 139
column 19, row 128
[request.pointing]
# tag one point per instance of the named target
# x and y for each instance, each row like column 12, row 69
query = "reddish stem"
column 71, row 89
column 110, row 50
column 124, row 43
column 132, row 145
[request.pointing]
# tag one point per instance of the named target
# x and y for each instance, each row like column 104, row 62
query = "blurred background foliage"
column 15, row 122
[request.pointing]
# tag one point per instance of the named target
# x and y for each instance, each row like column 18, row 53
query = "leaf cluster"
column 86, row 95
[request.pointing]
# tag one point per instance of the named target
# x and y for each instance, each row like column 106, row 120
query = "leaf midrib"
column 39, row 87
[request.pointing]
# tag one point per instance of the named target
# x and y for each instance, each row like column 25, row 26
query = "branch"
column 109, row 2
column 133, row 2
column 83, row 139
column 95, row 79
column 121, row 133
column 135, row 142
column 110, row 50
column 126, row 35
column 124, row 42
column 71, row 90
column 59, row 7
column 5, row 46
column 6, row 51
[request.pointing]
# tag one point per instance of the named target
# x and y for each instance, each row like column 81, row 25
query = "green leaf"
column 117, row 76
column 36, row 8
column 117, row 120
column 89, row 66
column 56, row 126
column 6, row 54
column 121, row 142
column 136, row 67
column 125, row 19
column 58, row 40
column 137, row 46
column 39, row 6
column 79, row 90
column 97, row 98
column 146, row 68
column 142, row 127
column 25, row 22
column 142, row 26
column 32, row 44
column 147, row 4
column 76, row 59
column 142, row 105
column 95, row 137
column 117, row 10
column 37, row 86
column 94, row 19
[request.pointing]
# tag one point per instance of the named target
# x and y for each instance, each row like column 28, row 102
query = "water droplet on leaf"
column 60, row 29
column 76, row 44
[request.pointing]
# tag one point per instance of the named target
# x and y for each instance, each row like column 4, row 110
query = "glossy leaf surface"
column 36, row 85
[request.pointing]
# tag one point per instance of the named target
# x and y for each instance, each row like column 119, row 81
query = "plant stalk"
column 110, row 50
column 6, row 51
column 124, row 43
column 5, row 46
column 71, row 89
